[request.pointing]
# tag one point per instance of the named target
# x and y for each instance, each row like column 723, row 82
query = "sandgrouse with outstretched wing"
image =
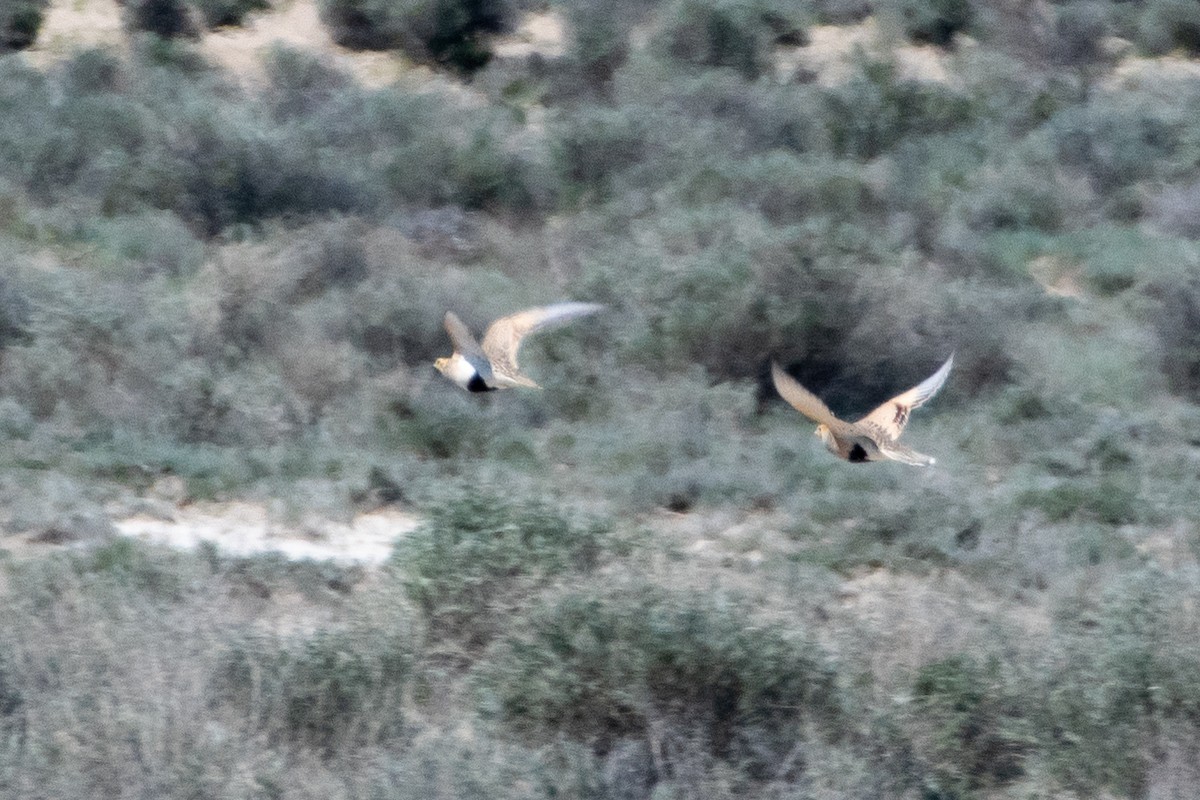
column 874, row 437
column 493, row 364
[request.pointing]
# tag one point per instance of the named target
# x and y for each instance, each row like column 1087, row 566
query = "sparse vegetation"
column 645, row 581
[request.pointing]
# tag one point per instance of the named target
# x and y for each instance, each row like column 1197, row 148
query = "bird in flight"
column 874, row 437
column 492, row 364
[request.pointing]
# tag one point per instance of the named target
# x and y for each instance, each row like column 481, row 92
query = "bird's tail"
column 511, row 381
column 898, row 452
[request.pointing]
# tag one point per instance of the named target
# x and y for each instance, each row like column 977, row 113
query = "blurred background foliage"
column 647, row 581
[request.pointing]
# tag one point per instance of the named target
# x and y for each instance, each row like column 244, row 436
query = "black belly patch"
column 478, row 384
column 857, row 454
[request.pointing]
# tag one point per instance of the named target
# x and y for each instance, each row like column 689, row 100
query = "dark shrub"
column 230, row 176
column 1080, row 29
column 92, row 71
column 736, row 34
column 448, row 32
column 167, row 19
column 873, row 111
column 617, row 664
column 20, row 21
column 935, row 21
column 302, row 86
column 1176, row 319
column 218, row 13
column 14, row 312
column 599, row 44
column 1117, row 144
column 10, row 698
column 1169, row 24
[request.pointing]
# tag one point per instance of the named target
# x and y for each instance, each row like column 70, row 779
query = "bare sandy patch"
column 1057, row 276
column 246, row 529
column 1172, row 549
column 540, row 33
column 1155, row 75
column 296, row 24
column 833, row 50
column 70, row 25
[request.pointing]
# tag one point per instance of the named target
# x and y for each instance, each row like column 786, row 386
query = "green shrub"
column 132, row 565
column 230, row 175
column 970, row 729
column 1108, row 501
column 304, row 87
column 328, row 690
column 592, row 148
column 479, row 555
column 635, row 661
column 1121, row 140
column 875, row 110
column 20, row 21
column 485, row 176
column 736, row 34
column 1166, row 25
column 599, row 40
column 1128, row 670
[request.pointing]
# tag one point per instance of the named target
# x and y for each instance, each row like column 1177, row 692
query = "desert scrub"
column 733, row 34
column 1123, row 668
column 617, row 661
column 330, row 690
column 480, row 555
column 969, row 729
column 1111, row 501
column 877, row 109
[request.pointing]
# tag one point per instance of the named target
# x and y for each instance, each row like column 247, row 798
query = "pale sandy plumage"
column 874, row 437
column 492, row 364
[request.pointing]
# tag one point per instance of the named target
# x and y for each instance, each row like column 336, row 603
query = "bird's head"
column 441, row 364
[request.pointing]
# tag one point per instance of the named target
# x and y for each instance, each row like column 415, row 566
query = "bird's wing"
column 802, row 399
column 464, row 343
column 887, row 422
column 503, row 337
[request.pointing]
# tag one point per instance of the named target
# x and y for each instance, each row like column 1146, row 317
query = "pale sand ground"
column 543, row 33
column 245, row 529
column 296, row 24
column 71, row 25
column 832, row 51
